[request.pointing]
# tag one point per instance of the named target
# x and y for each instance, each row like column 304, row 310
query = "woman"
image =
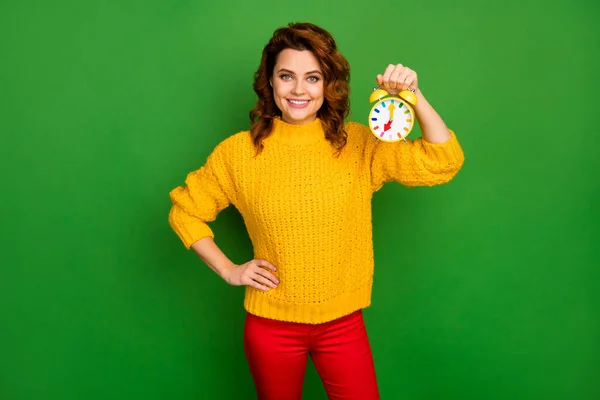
column 303, row 180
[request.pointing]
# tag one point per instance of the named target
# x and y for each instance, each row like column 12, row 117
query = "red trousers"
column 277, row 353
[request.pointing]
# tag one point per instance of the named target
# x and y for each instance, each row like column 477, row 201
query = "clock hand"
column 387, row 126
column 392, row 108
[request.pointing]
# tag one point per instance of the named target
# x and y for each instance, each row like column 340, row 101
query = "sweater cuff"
column 189, row 229
column 449, row 151
column 191, row 234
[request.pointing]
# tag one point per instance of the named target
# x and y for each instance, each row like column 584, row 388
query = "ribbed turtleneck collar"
column 297, row 134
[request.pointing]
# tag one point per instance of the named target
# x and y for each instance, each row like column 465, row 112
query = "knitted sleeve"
column 412, row 163
column 207, row 191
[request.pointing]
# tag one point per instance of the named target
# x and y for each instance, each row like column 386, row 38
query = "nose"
column 298, row 88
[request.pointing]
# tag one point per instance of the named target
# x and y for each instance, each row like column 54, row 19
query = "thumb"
column 379, row 79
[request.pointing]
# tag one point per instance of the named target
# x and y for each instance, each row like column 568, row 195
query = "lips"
column 298, row 103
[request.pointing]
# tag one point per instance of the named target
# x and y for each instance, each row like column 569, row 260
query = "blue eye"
column 285, row 77
column 313, row 79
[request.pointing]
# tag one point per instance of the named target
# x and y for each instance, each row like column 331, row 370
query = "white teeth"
column 298, row 102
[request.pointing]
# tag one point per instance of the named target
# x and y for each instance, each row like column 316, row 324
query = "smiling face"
column 297, row 83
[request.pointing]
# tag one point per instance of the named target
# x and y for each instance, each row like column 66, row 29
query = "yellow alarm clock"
column 392, row 117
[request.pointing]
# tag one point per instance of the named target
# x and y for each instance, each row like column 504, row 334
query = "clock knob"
column 410, row 96
column 377, row 94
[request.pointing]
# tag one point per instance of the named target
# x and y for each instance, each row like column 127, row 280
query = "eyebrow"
column 293, row 73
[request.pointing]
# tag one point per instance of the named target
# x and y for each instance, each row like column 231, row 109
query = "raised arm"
column 433, row 159
column 397, row 78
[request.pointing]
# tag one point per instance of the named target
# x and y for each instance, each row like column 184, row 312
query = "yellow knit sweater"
column 307, row 211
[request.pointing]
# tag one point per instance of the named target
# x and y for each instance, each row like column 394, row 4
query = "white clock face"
column 390, row 120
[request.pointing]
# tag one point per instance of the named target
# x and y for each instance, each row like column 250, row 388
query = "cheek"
column 277, row 95
column 317, row 93
column 280, row 91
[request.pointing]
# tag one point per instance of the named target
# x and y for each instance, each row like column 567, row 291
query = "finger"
column 258, row 286
column 268, row 275
column 247, row 280
column 402, row 76
column 402, row 82
column 414, row 82
column 379, row 79
column 266, row 264
column 395, row 81
column 406, row 79
column 263, row 281
column 387, row 74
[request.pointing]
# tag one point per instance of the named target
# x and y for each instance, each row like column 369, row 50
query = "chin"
column 298, row 118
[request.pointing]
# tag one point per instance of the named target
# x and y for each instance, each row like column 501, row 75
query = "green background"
column 485, row 288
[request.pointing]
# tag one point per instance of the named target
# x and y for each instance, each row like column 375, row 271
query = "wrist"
column 225, row 271
column 419, row 95
column 422, row 103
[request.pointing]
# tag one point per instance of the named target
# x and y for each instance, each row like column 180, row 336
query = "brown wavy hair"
column 336, row 75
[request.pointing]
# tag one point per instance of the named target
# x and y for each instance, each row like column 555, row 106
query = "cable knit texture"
column 307, row 211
